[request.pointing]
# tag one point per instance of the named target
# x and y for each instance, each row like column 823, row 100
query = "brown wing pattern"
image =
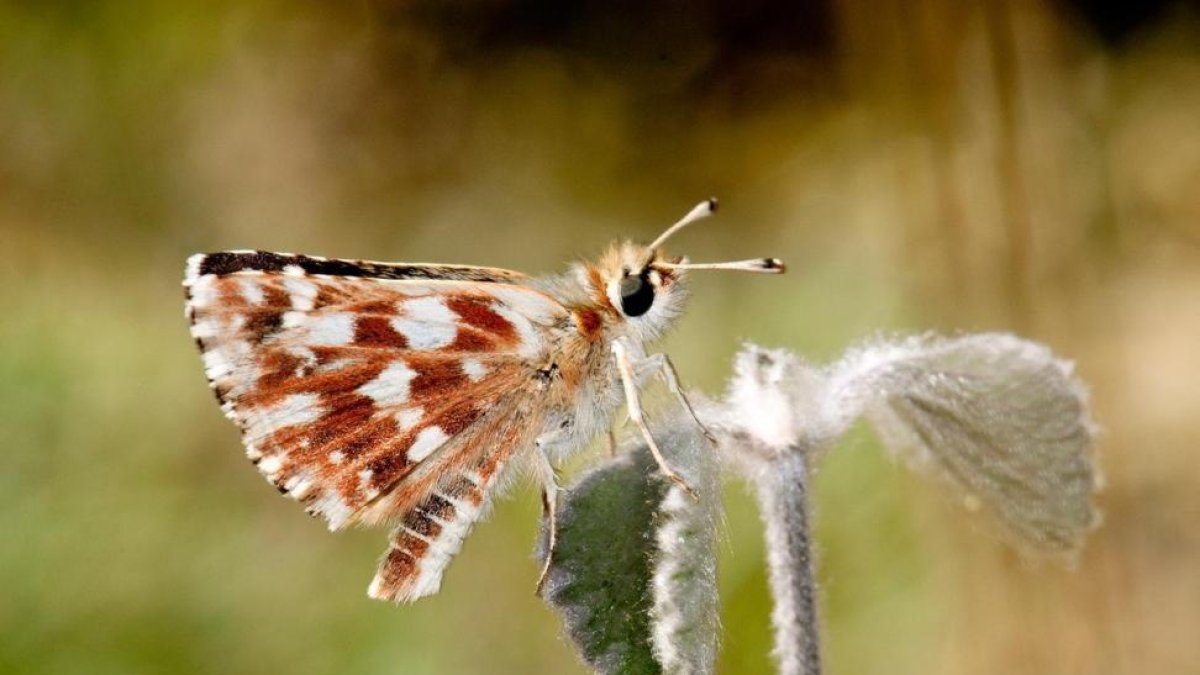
column 372, row 399
column 433, row 528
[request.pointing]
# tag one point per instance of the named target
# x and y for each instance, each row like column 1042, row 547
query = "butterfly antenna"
column 762, row 265
column 701, row 211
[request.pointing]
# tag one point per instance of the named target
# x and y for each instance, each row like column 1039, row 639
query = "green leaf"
column 634, row 574
column 1008, row 424
column 686, row 613
column 601, row 574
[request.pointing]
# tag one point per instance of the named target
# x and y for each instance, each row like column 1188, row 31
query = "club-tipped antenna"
column 701, row 211
column 761, row 265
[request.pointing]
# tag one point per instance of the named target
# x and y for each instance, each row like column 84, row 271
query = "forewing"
column 357, row 391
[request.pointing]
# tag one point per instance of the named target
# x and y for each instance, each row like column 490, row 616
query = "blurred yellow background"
column 1011, row 165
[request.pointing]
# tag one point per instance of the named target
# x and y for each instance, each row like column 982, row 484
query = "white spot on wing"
column 300, row 485
column 270, row 465
column 204, row 290
column 215, row 365
column 205, row 329
column 251, row 291
column 429, row 575
column 531, row 341
column 291, row 410
column 303, row 293
column 295, row 409
column 424, row 335
column 534, row 305
column 293, row 319
column 426, row 323
column 474, row 369
column 428, row 309
column 367, row 490
column 430, row 439
column 334, row 509
column 391, row 386
column 408, row 418
column 448, row 543
column 329, row 329
column 193, row 267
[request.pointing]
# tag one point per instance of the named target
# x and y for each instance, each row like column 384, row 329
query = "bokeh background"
column 1004, row 165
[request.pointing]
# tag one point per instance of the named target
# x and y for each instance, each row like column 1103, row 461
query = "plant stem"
column 783, row 496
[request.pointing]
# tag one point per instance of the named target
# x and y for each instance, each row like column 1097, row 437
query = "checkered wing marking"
column 362, row 396
column 436, row 521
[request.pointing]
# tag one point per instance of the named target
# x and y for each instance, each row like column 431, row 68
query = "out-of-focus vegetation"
column 1006, row 165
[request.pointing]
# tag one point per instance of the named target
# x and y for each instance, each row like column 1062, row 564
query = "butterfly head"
column 648, row 289
column 647, row 294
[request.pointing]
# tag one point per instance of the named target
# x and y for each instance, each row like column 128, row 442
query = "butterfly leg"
column 633, row 402
column 548, row 476
column 661, row 363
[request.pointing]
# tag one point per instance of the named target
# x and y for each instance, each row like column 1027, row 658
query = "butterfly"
column 404, row 394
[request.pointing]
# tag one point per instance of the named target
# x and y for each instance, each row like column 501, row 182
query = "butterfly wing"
column 434, row 525
column 375, row 393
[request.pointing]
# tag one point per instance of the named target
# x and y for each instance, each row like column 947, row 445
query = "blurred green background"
column 1009, row 165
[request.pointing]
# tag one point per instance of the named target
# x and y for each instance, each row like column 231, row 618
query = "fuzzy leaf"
column 686, row 608
column 600, row 577
column 999, row 418
column 634, row 571
column 1006, row 423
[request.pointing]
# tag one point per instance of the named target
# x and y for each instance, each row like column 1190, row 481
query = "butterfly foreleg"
column 625, row 367
column 662, row 365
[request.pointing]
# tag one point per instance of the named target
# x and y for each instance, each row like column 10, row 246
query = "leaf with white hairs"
column 997, row 417
column 634, row 568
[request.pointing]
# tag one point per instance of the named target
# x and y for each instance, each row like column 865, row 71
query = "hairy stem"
column 783, row 496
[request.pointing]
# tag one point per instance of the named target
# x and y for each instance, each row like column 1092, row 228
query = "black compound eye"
column 637, row 294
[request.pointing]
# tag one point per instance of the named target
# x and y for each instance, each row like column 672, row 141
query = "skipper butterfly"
column 403, row 394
